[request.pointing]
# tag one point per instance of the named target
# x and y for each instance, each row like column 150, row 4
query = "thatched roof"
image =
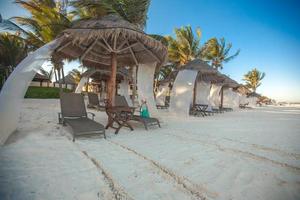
column 104, row 74
column 254, row 94
column 40, row 77
column 200, row 66
column 94, row 40
column 242, row 89
column 68, row 80
column 230, row 83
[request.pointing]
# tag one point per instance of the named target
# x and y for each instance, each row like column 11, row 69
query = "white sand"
column 253, row 154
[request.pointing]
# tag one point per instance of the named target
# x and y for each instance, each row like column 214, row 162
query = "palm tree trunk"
column 59, row 81
column 55, row 75
column 222, row 96
column 63, row 75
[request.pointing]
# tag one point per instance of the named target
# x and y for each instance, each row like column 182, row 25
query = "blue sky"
column 266, row 31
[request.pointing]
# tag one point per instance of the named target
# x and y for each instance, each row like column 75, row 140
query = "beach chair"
column 73, row 113
column 93, row 102
column 202, row 110
column 147, row 122
column 166, row 104
column 243, row 106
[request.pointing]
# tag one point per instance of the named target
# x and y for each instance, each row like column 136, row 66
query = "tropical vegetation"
column 253, row 79
column 216, row 52
column 44, row 92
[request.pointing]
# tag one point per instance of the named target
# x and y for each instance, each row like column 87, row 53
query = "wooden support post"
column 222, row 94
column 112, row 81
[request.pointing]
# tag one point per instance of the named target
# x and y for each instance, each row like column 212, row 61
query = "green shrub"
column 44, row 92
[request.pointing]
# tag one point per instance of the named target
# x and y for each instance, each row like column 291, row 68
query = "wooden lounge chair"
column 243, row 106
column 166, row 104
column 120, row 101
column 94, row 102
column 202, row 110
column 73, row 113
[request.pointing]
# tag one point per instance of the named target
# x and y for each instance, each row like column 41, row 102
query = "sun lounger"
column 202, row 110
column 94, row 102
column 73, row 113
column 243, row 106
column 165, row 106
column 147, row 122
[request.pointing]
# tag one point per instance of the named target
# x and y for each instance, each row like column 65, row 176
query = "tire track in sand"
column 117, row 191
column 244, row 153
column 195, row 190
column 264, row 148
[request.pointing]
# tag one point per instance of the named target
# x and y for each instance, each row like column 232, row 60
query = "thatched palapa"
column 110, row 42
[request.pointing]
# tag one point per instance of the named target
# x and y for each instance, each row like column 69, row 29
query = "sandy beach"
column 249, row 154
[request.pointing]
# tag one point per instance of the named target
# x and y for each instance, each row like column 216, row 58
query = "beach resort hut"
column 229, row 96
column 109, row 42
column 253, row 98
column 97, row 79
column 40, row 80
column 186, row 86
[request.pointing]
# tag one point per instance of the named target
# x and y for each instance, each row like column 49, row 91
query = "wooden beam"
column 104, row 46
column 108, row 46
column 88, row 49
column 96, row 61
column 99, row 55
column 64, row 46
column 150, row 52
column 112, row 81
column 121, row 45
column 132, row 54
column 115, row 43
column 128, row 47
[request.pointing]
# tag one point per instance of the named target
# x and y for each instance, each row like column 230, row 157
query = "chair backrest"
column 120, row 101
column 93, row 98
column 72, row 105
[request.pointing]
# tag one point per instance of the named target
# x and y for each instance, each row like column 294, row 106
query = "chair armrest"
column 92, row 114
column 60, row 119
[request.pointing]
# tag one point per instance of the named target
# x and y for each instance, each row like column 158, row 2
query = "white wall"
column 203, row 93
column 124, row 90
column 214, row 96
column 182, row 92
column 163, row 91
column 145, row 79
column 14, row 89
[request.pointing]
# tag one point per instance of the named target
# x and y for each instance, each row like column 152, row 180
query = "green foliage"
column 43, row 92
column 217, row 52
column 185, row 47
column 13, row 49
column 134, row 11
column 76, row 74
column 253, row 79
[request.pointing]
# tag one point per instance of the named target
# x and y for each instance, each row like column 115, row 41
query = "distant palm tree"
column 185, row 46
column 13, row 50
column 76, row 75
column 217, row 52
column 253, row 79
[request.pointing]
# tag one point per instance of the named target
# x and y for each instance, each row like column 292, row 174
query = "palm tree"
column 217, row 52
column 13, row 50
column 185, row 47
column 253, row 79
column 134, row 11
column 76, row 75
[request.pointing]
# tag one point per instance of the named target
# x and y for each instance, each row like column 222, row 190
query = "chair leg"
column 158, row 124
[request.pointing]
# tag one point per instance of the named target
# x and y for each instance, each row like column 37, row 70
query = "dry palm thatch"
column 110, row 42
